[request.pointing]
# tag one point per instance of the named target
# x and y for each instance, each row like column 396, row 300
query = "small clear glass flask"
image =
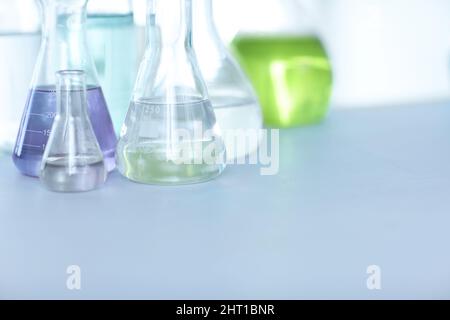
column 235, row 103
column 72, row 161
column 63, row 47
column 281, row 51
column 113, row 46
column 170, row 135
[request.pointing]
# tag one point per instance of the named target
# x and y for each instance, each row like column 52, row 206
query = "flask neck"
column 63, row 16
column 170, row 68
column 204, row 24
column 204, row 14
column 169, row 23
column 71, row 94
column 64, row 41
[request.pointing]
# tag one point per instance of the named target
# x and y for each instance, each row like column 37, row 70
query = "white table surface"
column 366, row 187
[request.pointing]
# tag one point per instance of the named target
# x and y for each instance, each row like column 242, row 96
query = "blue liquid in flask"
column 112, row 42
column 37, row 123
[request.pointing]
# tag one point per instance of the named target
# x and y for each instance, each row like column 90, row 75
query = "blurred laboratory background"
column 361, row 53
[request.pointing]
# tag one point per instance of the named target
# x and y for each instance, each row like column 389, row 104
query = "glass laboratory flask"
column 113, row 46
column 281, row 52
column 73, row 160
column 231, row 93
column 19, row 46
column 170, row 135
column 63, row 47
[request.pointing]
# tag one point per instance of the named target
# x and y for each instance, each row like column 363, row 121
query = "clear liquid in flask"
column 170, row 143
column 87, row 174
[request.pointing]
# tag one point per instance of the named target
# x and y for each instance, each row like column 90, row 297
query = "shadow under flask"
column 63, row 47
column 72, row 161
column 170, row 135
column 234, row 100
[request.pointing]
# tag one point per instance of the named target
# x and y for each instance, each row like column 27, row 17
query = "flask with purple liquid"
column 64, row 47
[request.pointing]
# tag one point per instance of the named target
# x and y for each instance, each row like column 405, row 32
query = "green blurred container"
column 292, row 76
column 287, row 64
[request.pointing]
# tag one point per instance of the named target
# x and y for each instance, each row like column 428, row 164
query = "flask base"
column 58, row 177
column 30, row 164
column 148, row 169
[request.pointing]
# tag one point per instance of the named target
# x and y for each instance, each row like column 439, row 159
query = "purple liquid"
column 37, row 122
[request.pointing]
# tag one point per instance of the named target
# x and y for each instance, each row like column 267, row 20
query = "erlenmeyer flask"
column 170, row 134
column 63, row 48
column 113, row 46
column 280, row 50
column 231, row 93
column 72, row 161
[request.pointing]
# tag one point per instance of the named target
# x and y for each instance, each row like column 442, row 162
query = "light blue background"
column 365, row 187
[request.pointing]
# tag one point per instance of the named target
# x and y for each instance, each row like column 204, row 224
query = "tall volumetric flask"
column 235, row 103
column 63, row 48
column 170, row 135
column 113, row 46
column 281, row 51
column 72, row 161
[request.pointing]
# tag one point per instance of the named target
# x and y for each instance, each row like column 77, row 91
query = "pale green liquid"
column 150, row 167
column 292, row 76
column 149, row 150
